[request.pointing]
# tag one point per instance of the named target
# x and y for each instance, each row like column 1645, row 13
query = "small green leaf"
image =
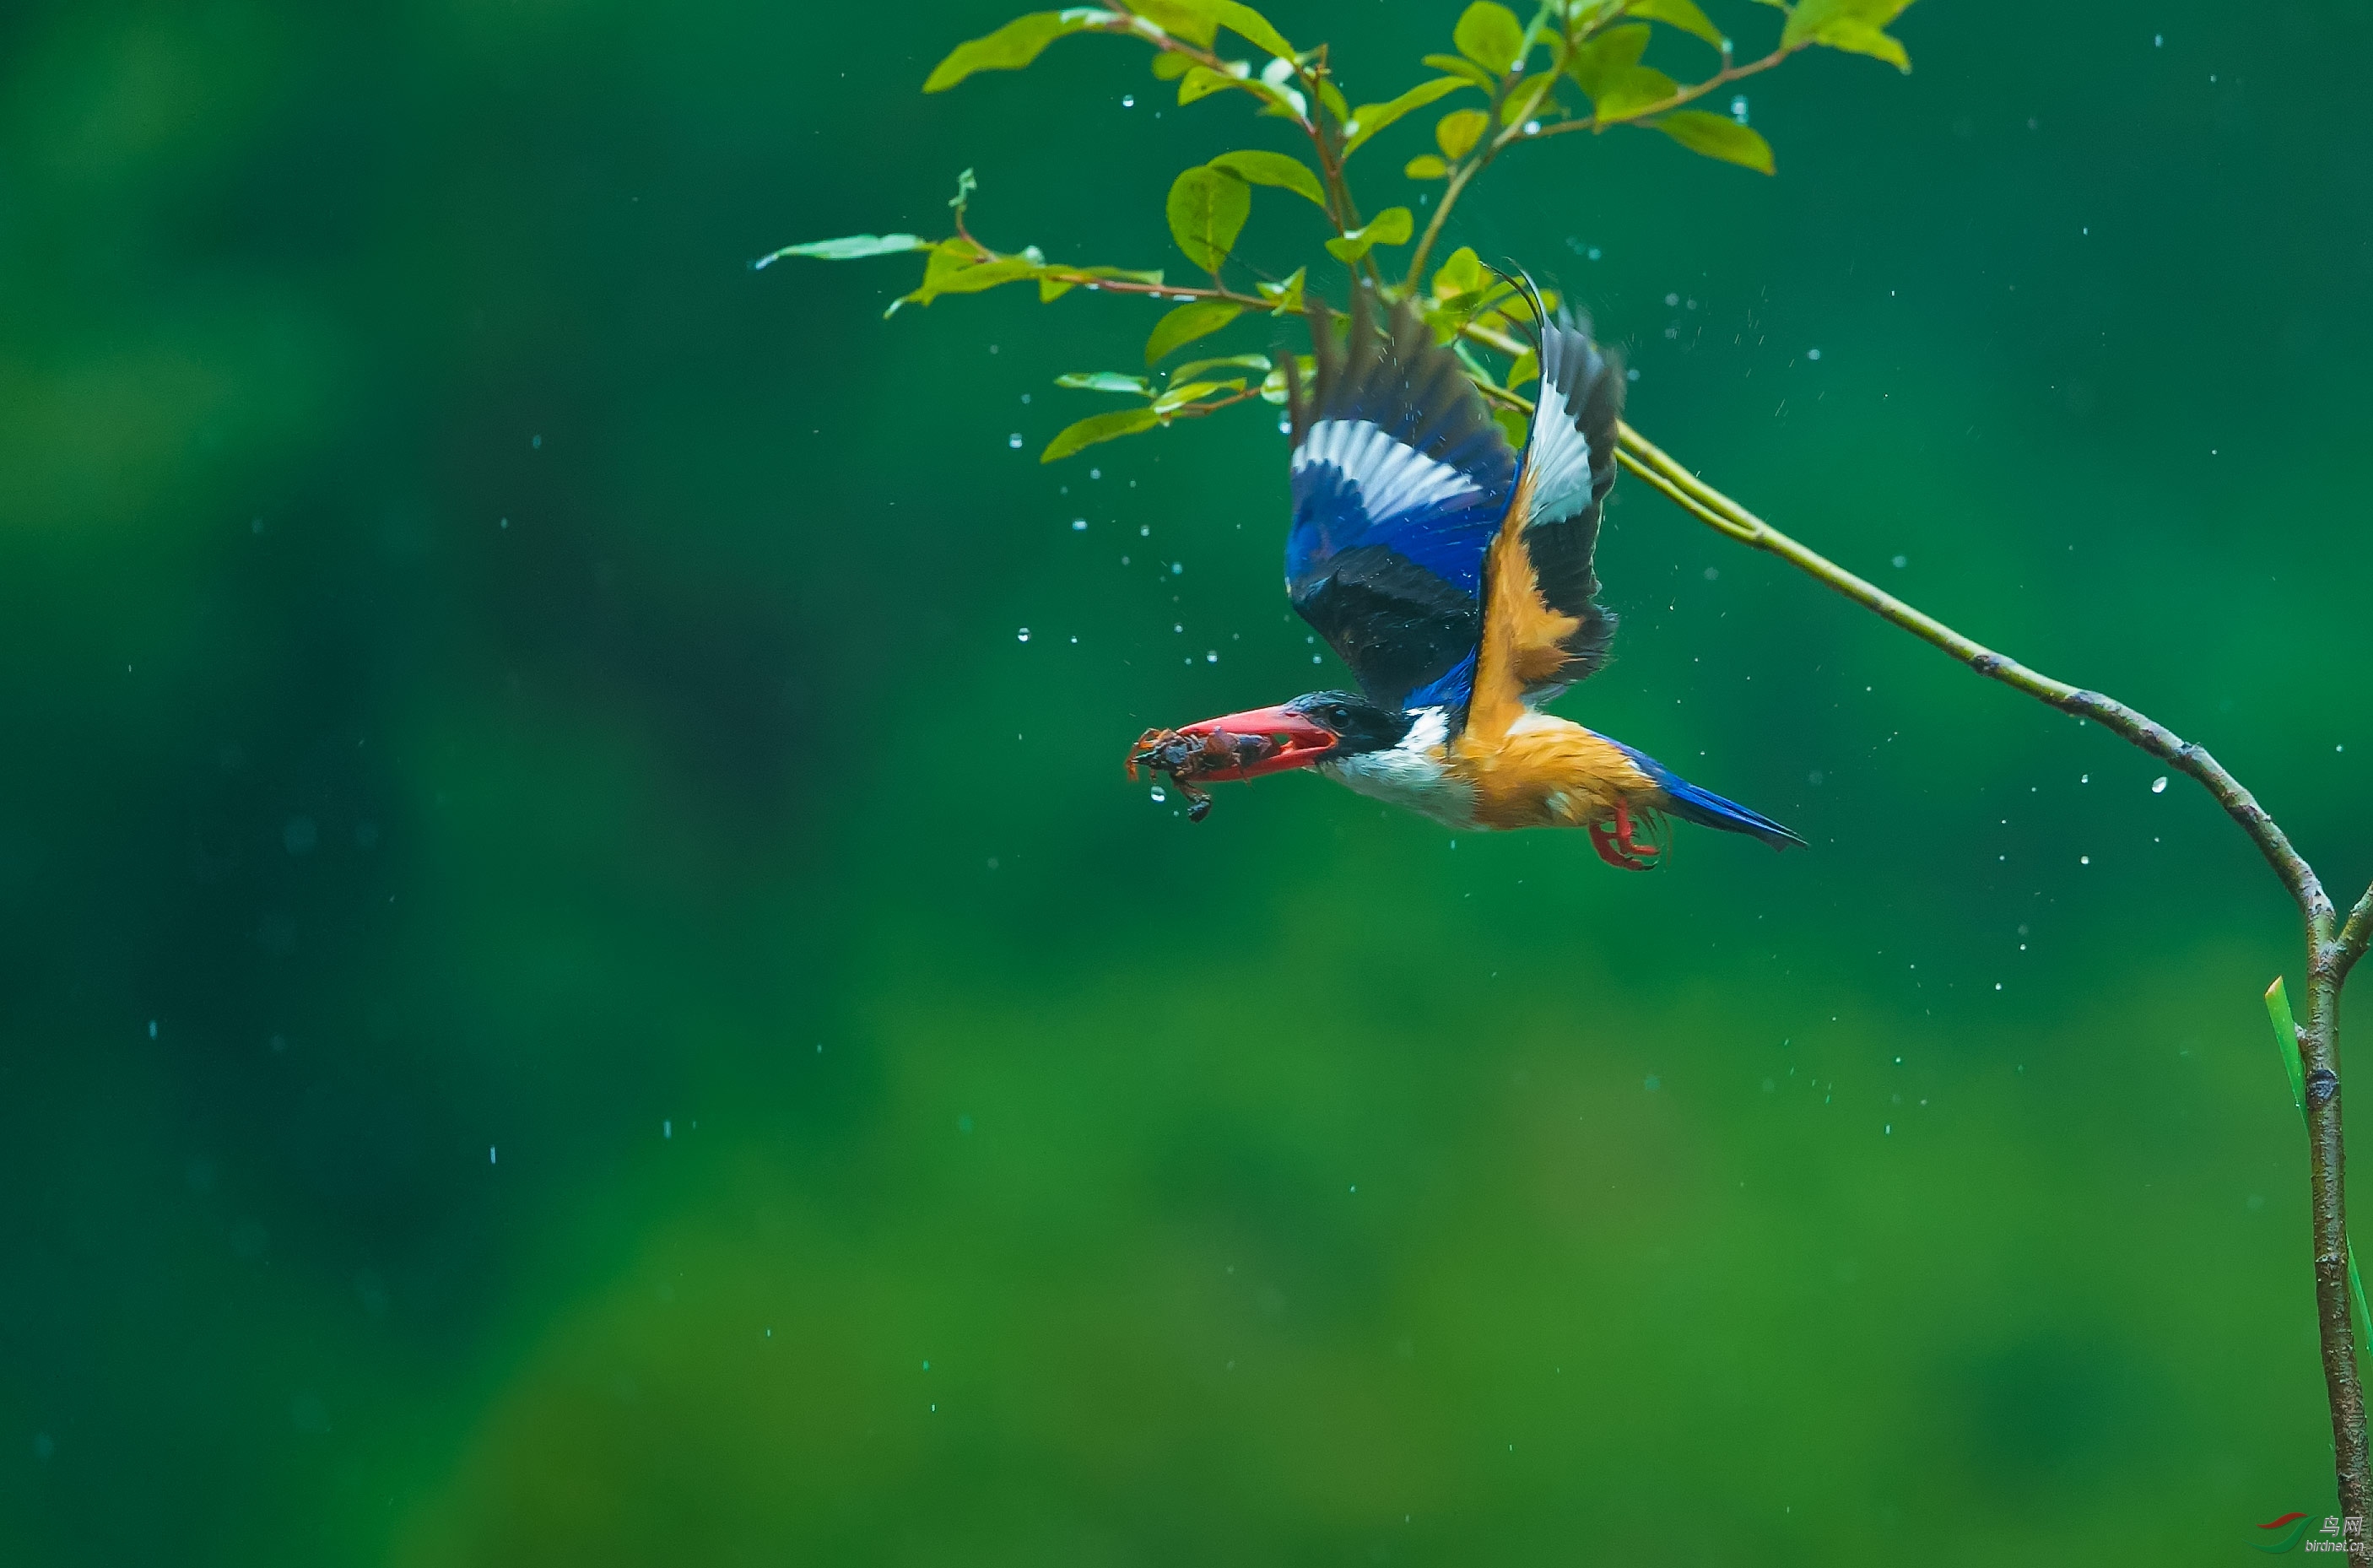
column 1461, row 275
column 1717, row 136
column 1456, row 133
column 1009, row 48
column 1426, row 168
column 849, row 249
column 1182, row 326
column 1099, row 427
column 1273, row 168
column 1605, row 59
column 1179, row 19
column 1206, row 210
column 1682, row 14
column 1371, row 118
column 1391, row 227
column 1490, row 35
column 1201, row 82
column 1527, row 368
column 1854, row 25
column 1232, row 362
column 1169, row 65
column 1332, row 97
column 1178, row 397
column 1288, row 294
column 957, row 269
column 1512, row 424
column 1460, row 65
column 1104, row 380
column 1250, row 26
column 1634, row 93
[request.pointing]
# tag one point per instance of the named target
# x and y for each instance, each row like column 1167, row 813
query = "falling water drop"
column 1159, row 794
column 1015, row 440
column 1022, row 635
column 2159, row 786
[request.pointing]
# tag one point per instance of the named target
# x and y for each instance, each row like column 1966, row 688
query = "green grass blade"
column 2278, row 1008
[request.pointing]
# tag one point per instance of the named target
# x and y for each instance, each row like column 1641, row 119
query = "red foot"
column 1623, row 839
column 1602, row 842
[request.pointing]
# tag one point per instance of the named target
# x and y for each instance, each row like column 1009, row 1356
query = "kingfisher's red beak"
column 1292, row 739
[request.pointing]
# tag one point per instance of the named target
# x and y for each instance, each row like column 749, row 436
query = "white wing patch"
column 1394, row 479
column 1557, row 459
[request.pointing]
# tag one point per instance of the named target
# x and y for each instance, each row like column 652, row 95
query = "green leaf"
column 1232, row 362
column 1179, row 396
column 1682, row 14
column 1512, row 424
column 1201, row 82
column 1206, row 210
column 1371, row 118
column 1527, row 368
column 1332, row 97
column 1851, row 24
column 1288, row 294
column 1009, row 48
column 1250, row 26
column 1490, row 35
column 1717, row 136
column 958, row 269
column 1456, row 133
column 1179, row 19
column 1104, row 380
column 1273, row 168
column 1182, row 326
column 2278, row 1008
column 1426, row 168
column 1634, row 93
column 1099, row 427
column 1169, row 65
column 1605, row 59
column 1391, row 227
column 849, row 248
column 1461, row 275
column 1460, row 65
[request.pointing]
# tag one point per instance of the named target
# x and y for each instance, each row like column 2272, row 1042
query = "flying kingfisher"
column 1455, row 577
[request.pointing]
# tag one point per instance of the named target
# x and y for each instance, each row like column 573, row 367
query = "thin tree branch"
column 1644, row 458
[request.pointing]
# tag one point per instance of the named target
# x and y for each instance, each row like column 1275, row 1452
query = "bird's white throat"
column 1411, row 774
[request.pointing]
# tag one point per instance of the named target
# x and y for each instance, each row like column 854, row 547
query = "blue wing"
column 1401, row 479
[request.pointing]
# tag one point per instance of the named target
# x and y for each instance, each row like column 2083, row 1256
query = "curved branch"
column 1644, row 458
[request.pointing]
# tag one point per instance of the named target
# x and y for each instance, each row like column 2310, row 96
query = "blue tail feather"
column 1686, row 800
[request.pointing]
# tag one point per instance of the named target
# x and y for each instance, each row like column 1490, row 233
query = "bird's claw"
column 1620, row 848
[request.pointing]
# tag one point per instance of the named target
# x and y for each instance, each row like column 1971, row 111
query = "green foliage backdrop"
column 486, row 670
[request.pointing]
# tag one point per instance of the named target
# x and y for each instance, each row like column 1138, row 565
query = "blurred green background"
column 573, row 992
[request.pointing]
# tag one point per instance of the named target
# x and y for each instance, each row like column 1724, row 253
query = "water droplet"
column 1212, row 657
column 1315, row 660
column 1145, row 531
column 2084, row 859
column 1903, row 561
column 1653, row 1083
column 1812, row 354
column 1532, row 128
column 1022, row 635
column 1177, row 566
column 667, row 1129
column 1713, row 572
column 1078, row 525
column 2159, row 786
column 2084, row 778
column 1594, row 252
column 1128, row 100
column 1672, row 299
column 1738, row 107
column 1015, row 440
column 1159, row 794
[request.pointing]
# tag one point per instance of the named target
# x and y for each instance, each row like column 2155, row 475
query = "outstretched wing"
column 1401, row 479
column 1545, row 626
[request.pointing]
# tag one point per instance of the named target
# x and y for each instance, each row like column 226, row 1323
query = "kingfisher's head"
column 1314, row 728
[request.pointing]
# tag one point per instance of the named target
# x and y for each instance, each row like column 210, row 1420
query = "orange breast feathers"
column 1531, row 770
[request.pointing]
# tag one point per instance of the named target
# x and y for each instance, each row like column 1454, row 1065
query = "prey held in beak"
column 1235, row 745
